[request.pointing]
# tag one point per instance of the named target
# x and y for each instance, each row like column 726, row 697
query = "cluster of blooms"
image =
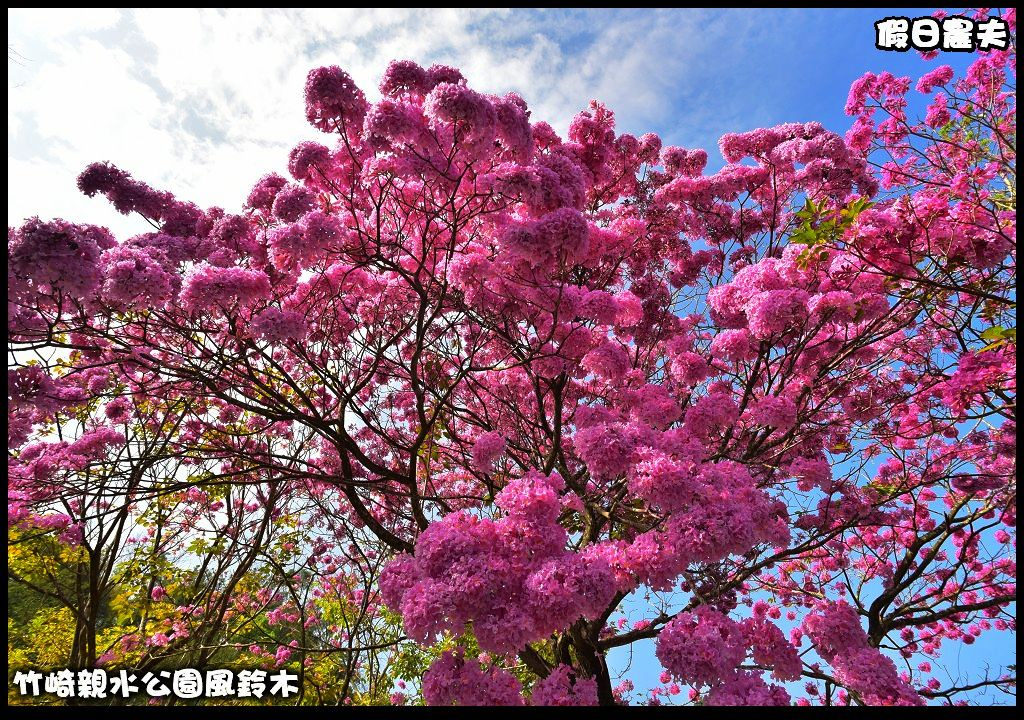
column 841, row 641
column 512, row 577
column 332, row 100
column 125, row 193
column 769, row 646
column 714, row 509
column 265, row 191
column 135, row 278
column 34, row 397
column 486, row 450
column 454, row 680
column 33, row 476
column 232, row 235
column 563, row 687
column 562, row 233
column 775, row 412
column 55, row 255
column 745, row 689
column 701, row 647
column 777, row 299
column 704, row 647
column 308, row 158
column 277, row 325
column 292, row 202
column 207, row 286
column 734, row 345
column 609, row 361
column 823, row 155
column 301, row 244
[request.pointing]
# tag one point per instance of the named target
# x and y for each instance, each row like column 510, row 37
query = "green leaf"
column 993, row 333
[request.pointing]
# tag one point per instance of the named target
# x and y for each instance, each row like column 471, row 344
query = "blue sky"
column 202, row 103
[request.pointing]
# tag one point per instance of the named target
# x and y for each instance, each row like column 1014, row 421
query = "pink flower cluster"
column 303, row 243
column 704, row 647
column 136, row 278
column 560, row 234
column 836, row 632
column 564, row 687
column 701, row 647
column 56, row 255
column 511, row 577
column 333, row 100
column 265, row 191
column 487, row 448
column 124, row 192
column 277, row 325
column 455, row 680
column 207, row 287
column 292, row 202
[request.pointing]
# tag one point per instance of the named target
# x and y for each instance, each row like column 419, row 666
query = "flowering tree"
column 460, row 392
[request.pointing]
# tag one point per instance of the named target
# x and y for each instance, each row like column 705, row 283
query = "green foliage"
column 821, row 227
column 997, row 336
column 412, row 660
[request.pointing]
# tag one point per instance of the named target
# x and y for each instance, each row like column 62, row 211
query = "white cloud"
column 61, row 21
column 202, row 102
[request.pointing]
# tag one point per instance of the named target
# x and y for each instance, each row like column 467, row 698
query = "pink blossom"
column 486, row 450
column 701, row 647
column 332, row 99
